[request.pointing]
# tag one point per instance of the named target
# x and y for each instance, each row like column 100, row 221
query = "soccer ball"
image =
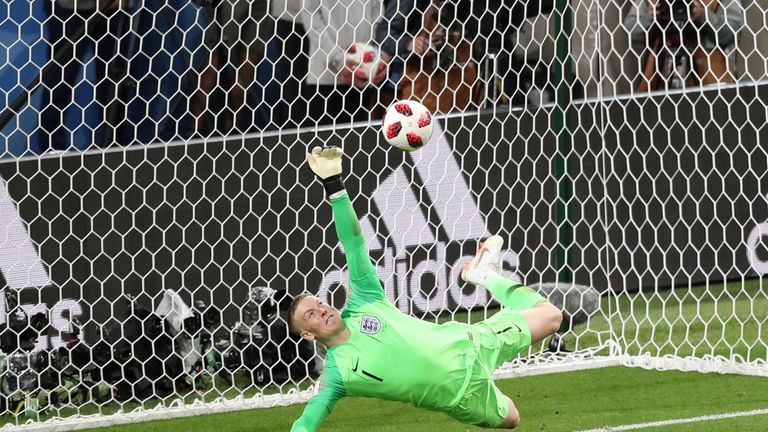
column 365, row 55
column 407, row 125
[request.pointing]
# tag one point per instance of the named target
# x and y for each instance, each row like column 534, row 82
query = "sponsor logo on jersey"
column 370, row 325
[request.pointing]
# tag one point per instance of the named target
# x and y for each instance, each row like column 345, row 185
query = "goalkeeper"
column 374, row 350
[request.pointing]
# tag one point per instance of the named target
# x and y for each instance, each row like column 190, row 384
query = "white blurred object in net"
column 367, row 56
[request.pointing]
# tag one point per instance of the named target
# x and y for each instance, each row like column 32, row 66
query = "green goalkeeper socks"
column 511, row 294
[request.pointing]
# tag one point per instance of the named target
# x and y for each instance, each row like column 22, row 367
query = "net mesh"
column 157, row 216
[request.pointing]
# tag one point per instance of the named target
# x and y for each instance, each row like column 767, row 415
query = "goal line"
column 706, row 418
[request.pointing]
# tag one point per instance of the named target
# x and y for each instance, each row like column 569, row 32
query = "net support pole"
column 563, row 129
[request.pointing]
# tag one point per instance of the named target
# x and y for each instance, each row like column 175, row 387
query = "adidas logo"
column 425, row 225
column 21, row 267
column 20, row 263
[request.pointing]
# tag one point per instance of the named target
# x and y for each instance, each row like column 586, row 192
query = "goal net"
column 157, row 216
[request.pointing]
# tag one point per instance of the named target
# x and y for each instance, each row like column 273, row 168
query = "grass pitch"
column 572, row 401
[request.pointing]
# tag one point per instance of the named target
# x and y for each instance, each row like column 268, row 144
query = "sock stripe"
column 511, row 294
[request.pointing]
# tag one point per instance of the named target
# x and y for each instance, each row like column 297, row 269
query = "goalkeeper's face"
column 316, row 319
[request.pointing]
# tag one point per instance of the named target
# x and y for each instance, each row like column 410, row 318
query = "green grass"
column 725, row 320
column 556, row 402
column 756, row 423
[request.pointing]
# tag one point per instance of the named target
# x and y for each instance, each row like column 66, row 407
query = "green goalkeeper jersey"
column 390, row 355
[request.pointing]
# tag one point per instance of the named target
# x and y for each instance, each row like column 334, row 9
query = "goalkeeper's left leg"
column 542, row 318
column 483, row 270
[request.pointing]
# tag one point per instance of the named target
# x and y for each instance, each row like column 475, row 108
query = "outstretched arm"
column 326, row 164
column 320, row 406
column 351, row 237
column 313, row 416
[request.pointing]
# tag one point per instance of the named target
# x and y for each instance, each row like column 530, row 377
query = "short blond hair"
column 292, row 310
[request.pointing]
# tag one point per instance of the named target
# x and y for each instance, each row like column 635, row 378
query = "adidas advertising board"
column 78, row 232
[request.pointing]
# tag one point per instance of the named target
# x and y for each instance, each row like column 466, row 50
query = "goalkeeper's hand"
column 325, row 161
column 326, row 164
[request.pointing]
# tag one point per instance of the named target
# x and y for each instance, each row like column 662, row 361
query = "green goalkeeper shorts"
column 502, row 337
column 499, row 338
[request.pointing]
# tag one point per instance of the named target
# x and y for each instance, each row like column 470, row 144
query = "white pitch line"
column 679, row 421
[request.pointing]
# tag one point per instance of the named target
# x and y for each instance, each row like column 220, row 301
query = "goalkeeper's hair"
column 292, row 309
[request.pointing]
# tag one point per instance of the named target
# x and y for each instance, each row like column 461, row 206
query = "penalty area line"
column 705, row 418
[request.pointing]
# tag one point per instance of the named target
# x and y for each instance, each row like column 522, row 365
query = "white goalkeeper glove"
column 325, row 161
column 326, row 164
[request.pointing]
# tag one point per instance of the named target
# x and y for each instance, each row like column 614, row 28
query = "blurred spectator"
column 67, row 19
column 686, row 41
column 398, row 33
column 491, row 23
column 236, row 36
column 336, row 89
column 431, row 57
column 440, row 34
column 287, row 51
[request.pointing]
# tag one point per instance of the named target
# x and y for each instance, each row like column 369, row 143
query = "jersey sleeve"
column 321, row 405
column 362, row 273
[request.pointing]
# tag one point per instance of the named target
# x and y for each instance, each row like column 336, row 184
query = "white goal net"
column 157, row 216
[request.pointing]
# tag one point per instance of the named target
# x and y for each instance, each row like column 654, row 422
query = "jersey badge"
column 370, row 325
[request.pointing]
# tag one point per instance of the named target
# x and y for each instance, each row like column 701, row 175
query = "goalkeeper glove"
column 326, row 164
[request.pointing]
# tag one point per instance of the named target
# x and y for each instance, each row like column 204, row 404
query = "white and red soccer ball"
column 366, row 56
column 407, row 125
